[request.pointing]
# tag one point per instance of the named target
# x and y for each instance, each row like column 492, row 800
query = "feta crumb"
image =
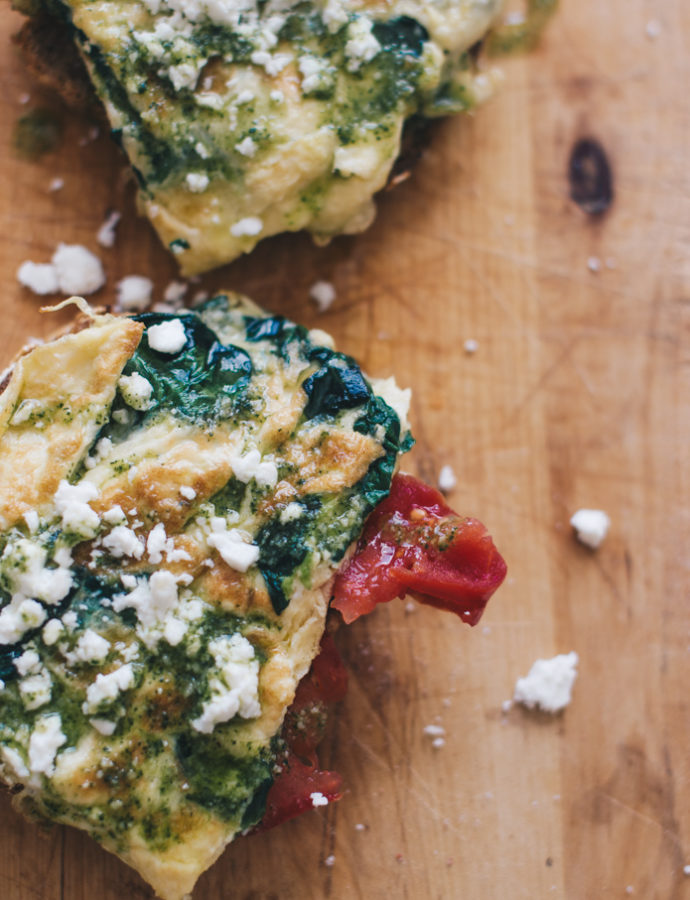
column 251, row 465
column 78, row 270
column 197, row 182
column 360, row 827
column 41, row 278
column 106, row 688
column 446, row 479
column 133, row 292
column 114, row 515
column 174, row 293
column 251, row 226
column 329, row 861
column 187, row 492
column 104, row 726
column 361, row 46
column 46, row 739
column 168, row 337
column 591, row 526
column 52, row 631
column 653, row 29
column 35, row 690
column 234, row 550
column 594, row 264
column 434, row 730
column 243, row 97
column 91, row 647
column 201, row 150
column 397, row 398
column 686, row 870
column 106, row 233
column 323, row 294
column 246, row 147
column 234, row 683
column 291, row 512
column 56, row 184
column 122, row 541
column 136, row 391
column 548, row 684
column 32, row 520
column 438, row 742
column 14, row 760
column 72, row 504
column 470, row 346
column 318, row 799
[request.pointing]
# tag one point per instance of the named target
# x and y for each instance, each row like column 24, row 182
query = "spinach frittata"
column 243, row 119
column 176, row 493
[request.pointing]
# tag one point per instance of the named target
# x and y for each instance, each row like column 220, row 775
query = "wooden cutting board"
column 578, row 395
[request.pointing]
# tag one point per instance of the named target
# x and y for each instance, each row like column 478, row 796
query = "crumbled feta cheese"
column 26, row 409
column 91, row 647
column 359, row 160
column 56, row 184
column 174, row 293
column 251, row 466
column 434, row 730
column 167, row 337
column 28, row 662
column 316, row 74
column 13, row 759
column 106, row 233
column 41, row 278
column 187, row 492
column 25, row 564
column 155, row 543
column 446, row 479
column 45, row 741
column 591, row 526
column 291, row 512
column 106, row 688
column 136, row 391
column 334, row 15
column 246, row 147
column 323, row 294
column 653, row 29
column 72, row 503
column 594, row 264
column 197, row 182
column 78, row 270
column 234, row 550
column 114, row 515
column 234, row 683
column 133, row 292
column 548, row 684
column 52, row 632
column 471, row 346
column 104, row 726
column 251, row 226
column 122, row 541
column 329, row 861
column 361, row 46
column 35, row 689
column 101, row 451
column 70, row 620
column 318, row 799
column 32, row 521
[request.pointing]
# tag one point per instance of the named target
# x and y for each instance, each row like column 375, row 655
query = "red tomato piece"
column 414, row 542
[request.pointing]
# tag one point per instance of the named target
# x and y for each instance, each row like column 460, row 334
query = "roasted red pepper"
column 414, row 542
column 300, row 776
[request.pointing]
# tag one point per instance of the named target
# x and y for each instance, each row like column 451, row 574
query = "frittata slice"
column 243, row 119
column 176, row 494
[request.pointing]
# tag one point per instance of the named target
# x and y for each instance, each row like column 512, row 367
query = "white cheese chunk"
column 35, row 690
column 104, row 726
column 167, row 337
column 197, row 182
column 136, row 391
column 361, row 46
column 122, row 541
column 78, row 270
column 107, row 688
column 133, row 293
column 548, row 684
column 45, row 741
column 41, row 278
column 591, row 526
column 13, row 759
column 18, row 618
column 91, row 647
column 250, row 226
column 251, row 465
column 323, row 294
column 318, row 799
column 72, row 503
column 234, row 550
column 52, row 632
column 234, row 683
column 106, row 233
column 446, row 479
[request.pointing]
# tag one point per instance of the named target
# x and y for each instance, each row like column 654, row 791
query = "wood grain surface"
column 578, row 395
